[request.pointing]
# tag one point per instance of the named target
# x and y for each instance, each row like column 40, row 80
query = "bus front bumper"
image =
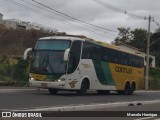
column 46, row 84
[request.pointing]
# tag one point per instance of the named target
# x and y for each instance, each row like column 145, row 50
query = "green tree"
column 5, row 70
column 124, row 36
column 139, row 39
column 155, row 46
column 21, row 70
column 158, row 30
column 136, row 38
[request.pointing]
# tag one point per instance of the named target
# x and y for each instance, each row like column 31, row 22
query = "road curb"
column 5, row 87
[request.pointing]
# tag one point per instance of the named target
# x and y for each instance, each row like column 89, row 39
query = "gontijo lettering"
column 123, row 70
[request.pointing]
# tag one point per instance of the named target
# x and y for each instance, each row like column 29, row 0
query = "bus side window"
column 136, row 61
column 115, row 56
column 112, row 56
column 124, row 58
column 87, row 50
column 74, row 56
column 98, row 53
column 106, row 54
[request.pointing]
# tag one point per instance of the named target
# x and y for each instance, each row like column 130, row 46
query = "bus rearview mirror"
column 26, row 53
column 66, row 54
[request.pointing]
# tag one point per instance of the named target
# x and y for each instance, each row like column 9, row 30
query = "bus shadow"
column 74, row 94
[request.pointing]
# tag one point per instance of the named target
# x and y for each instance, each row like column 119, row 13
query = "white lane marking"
column 80, row 107
column 147, row 91
column 145, row 118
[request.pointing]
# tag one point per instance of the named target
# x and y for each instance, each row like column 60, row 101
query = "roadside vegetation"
column 154, row 81
column 13, row 72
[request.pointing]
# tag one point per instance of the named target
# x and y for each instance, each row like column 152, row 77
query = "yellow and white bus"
column 79, row 64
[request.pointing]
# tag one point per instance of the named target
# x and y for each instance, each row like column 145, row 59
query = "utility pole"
column 148, row 53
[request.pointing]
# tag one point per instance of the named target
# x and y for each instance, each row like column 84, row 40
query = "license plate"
column 44, row 85
column 38, row 76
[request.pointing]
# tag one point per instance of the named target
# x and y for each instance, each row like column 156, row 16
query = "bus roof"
column 62, row 37
column 107, row 45
column 83, row 38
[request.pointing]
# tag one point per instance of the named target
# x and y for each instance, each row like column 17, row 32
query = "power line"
column 100, row 2
column 90, row 27
column 117, row 9
column 53, row 18
column 74, row 17
column 154, row 21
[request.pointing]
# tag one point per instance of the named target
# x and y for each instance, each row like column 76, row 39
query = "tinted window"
column 106, row 56
column 124, row 58
column 136, row 61
column 74, row 58
column 98, row 53
column 88, row 50
column 52, row 44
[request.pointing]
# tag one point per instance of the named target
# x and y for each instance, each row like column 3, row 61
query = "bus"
column 80, row 64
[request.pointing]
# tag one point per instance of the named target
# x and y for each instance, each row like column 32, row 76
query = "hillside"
column 14, row 42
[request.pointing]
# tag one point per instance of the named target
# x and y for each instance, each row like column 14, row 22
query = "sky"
column 94, row 20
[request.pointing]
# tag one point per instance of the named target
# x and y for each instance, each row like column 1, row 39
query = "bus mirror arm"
column 66, row 54
column 26, row 53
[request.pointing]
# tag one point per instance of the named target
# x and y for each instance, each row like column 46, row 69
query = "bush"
column 14, row 83
column 13, row 73
column 21, row 71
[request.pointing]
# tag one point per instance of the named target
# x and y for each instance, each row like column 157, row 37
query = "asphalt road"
column 11, row 99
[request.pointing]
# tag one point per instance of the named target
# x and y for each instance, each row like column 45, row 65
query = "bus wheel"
column 103, row 92
column 133, row 88
column 127, row 89
column 84, row 87
column 52, row 91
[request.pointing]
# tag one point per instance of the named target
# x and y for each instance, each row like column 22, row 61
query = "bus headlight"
column 61, row 79
column 32, row 78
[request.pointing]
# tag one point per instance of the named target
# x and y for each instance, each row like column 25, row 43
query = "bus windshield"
column 48, row 57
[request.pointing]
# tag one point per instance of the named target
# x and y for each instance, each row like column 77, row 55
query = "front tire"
column 84, row 88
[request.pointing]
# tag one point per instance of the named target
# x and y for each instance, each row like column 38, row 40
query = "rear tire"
column 133, row 88
column 52, row 91
column 126, row 91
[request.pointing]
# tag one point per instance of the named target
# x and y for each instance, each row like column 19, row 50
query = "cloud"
column 88, row 11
